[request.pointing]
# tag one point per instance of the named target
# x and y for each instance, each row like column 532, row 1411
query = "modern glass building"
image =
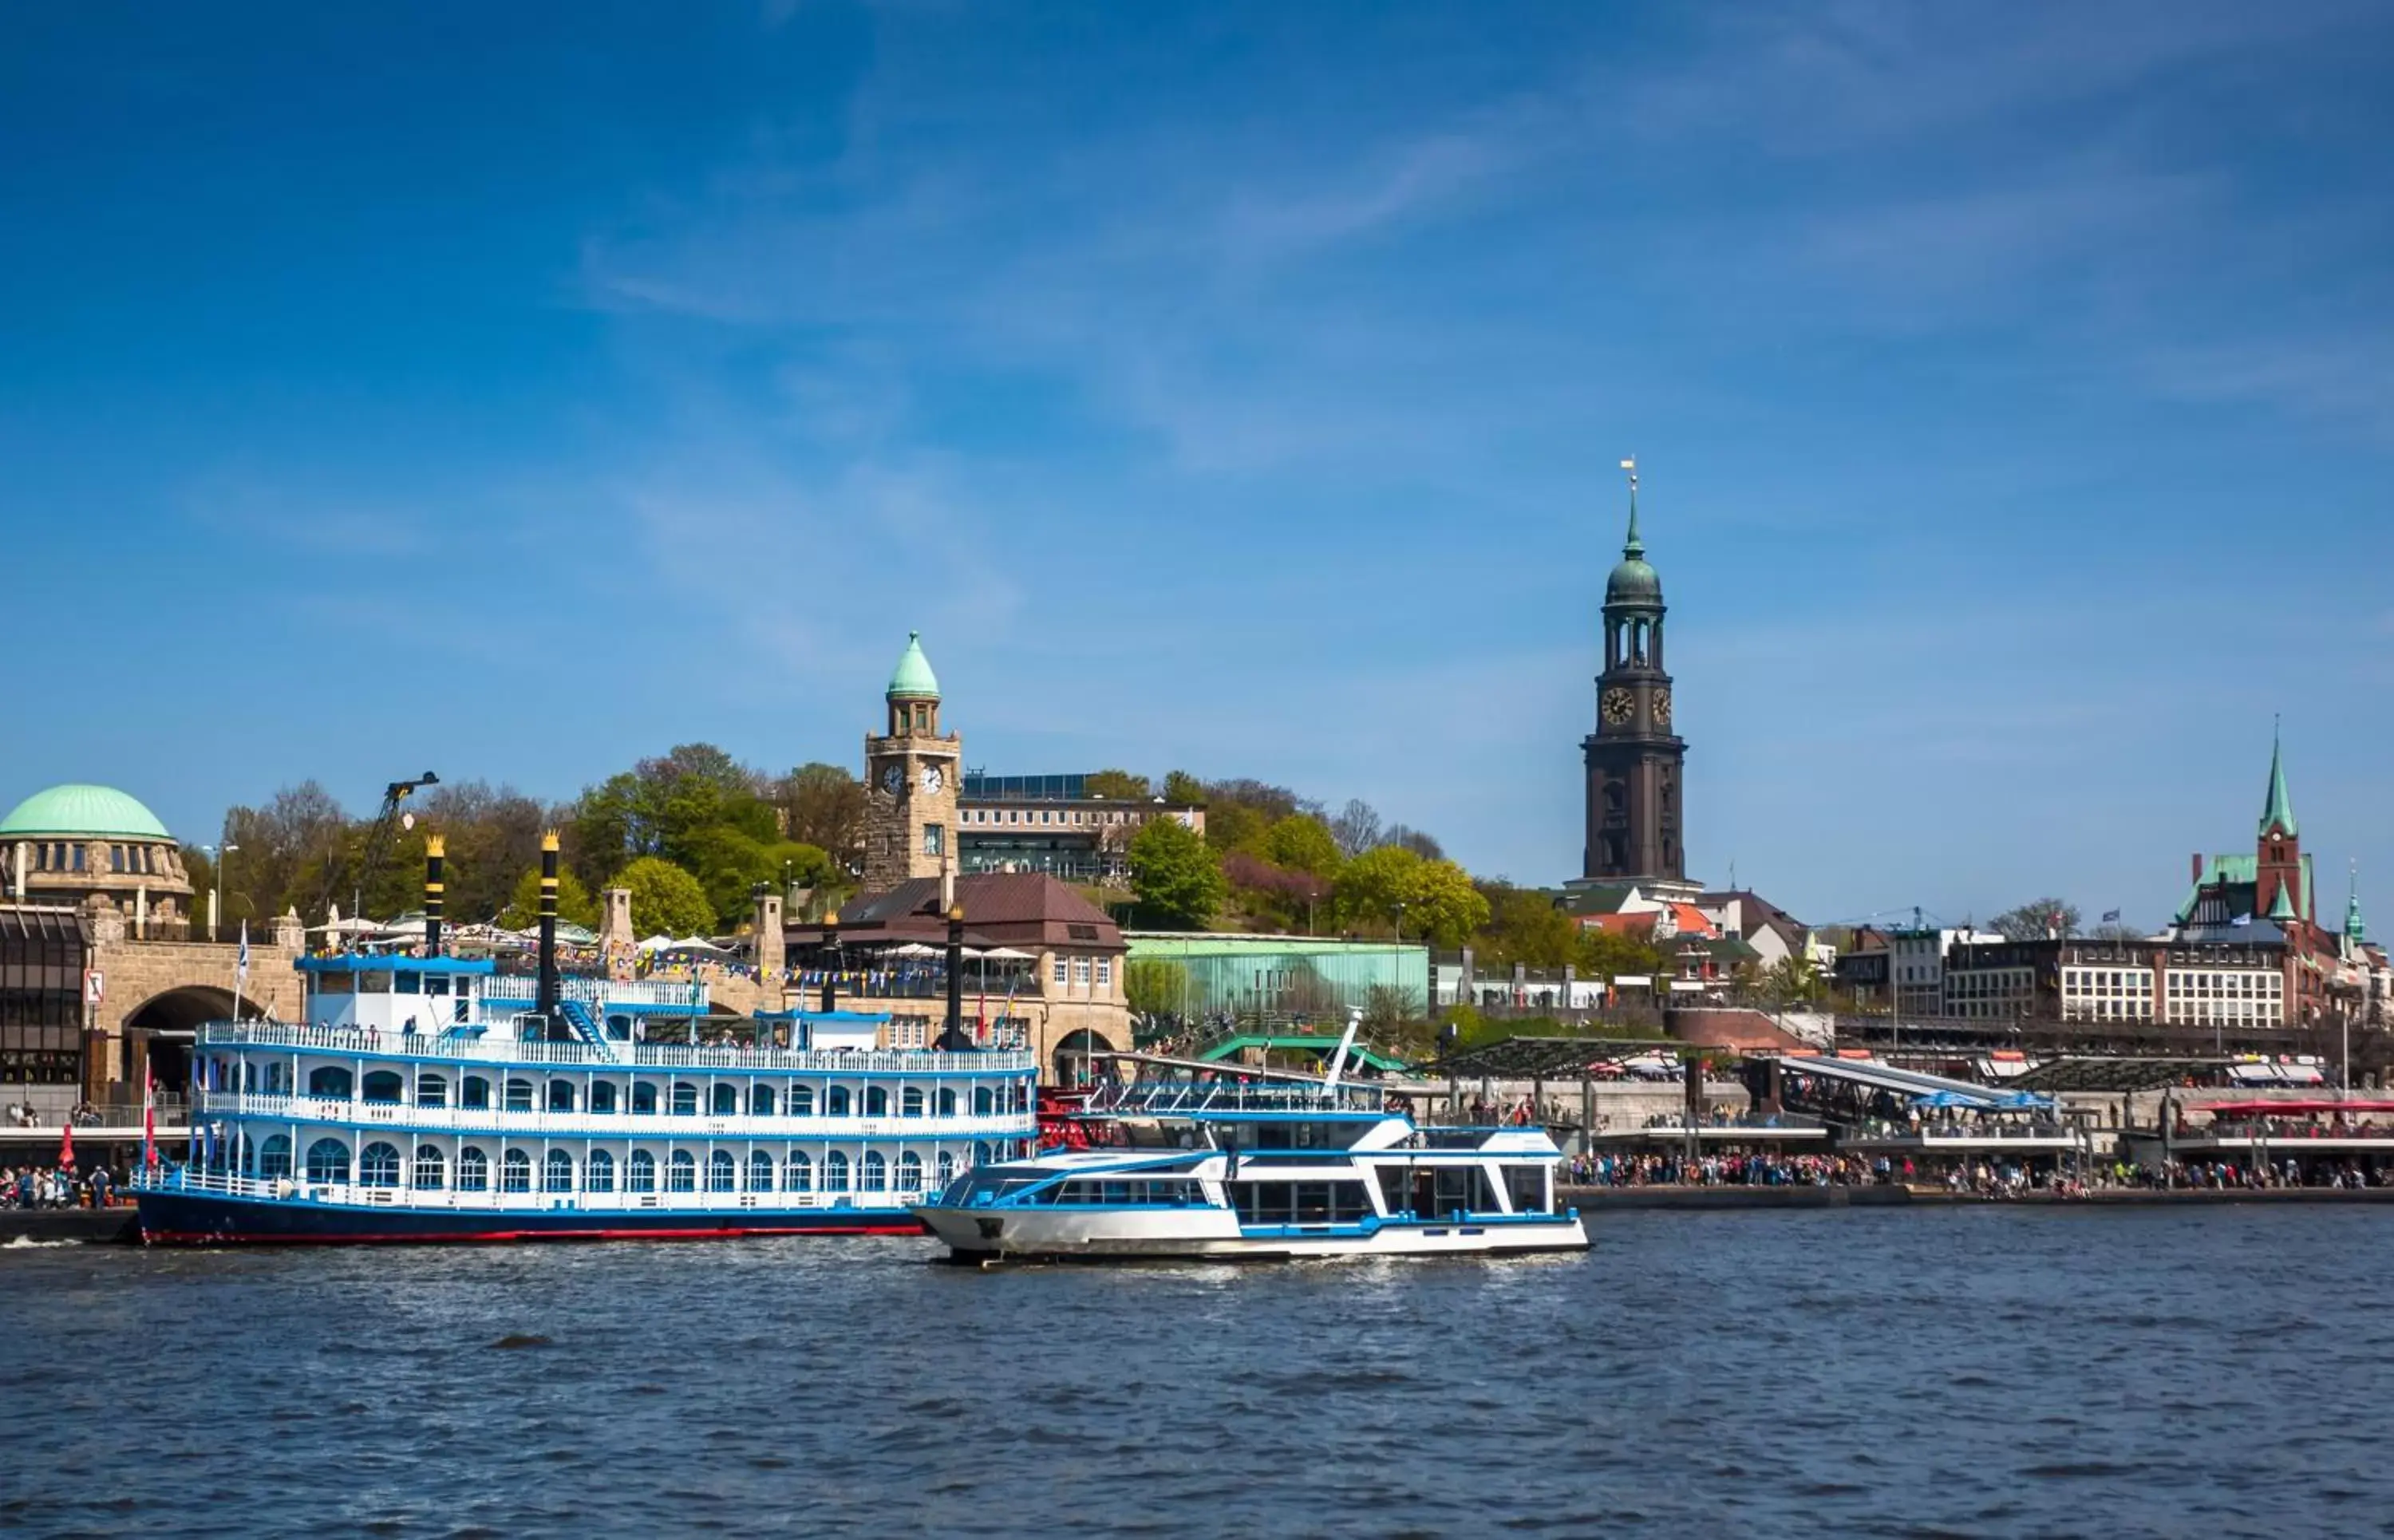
column 44, row 950
column 1283, row 978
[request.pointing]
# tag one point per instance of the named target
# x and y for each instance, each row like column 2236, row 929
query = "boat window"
column 876, row 1172
column 726, row 1101
column 373, row 983
column 685, row 1099
column 945, row 1169
column 834, row 1172
column 431, row 1090
column 475, row 1095
column 760, row 1172
column 561, row 1096
column 473, row 1170
column 328, row 1161
column 431, row 1169
column 910, row 1102
column 681, row 1174
column 330, row 1080
column 274, row 1157
column 1299, row 1202
column 984, row 1103
column 877, row 1102
column 980, row 1152
column 557, row 1175
column 910, row 1172
column 277, row 1079
column 1392, row 1189
column 644, row 1098
column 722, row 1173
column 518, row 1096
column 760, row 1101
column 798, row 1176
column 1526, row 1186
column 643, row 1172
column 947, row 1102
column 602, row 1096
column 382, row 1087
column 1460, row 1188
column 515, row 1172
column 802, row 1102
column 619, row 1028
column 835, row 1102
column 407, row 983
column 598, row 1176
column 336, row 983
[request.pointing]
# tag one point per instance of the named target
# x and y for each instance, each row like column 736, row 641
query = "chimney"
column 831, row 969
column 435, row 849
column 546, row 1004
column 769, row 953
column 947, row 884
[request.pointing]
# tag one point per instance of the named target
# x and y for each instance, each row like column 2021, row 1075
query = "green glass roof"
column 79, row 809
column 913, row 674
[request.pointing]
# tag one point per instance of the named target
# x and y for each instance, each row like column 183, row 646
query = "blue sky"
column 518, row 390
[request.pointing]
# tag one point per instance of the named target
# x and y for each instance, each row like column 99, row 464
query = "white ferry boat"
column 1204, row 1163
column 436, row 1099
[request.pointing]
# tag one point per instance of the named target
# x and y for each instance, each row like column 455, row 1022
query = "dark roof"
column 1744, row 1030
column 44, row 922
column 1534, row 1058
column 999, row 907
column 2110, row 1074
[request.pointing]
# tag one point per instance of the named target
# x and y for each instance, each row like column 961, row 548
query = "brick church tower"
column 1634, row 815
column 910, row 778
column 2280, row 889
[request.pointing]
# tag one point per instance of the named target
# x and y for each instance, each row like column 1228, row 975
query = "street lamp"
column 216, row 892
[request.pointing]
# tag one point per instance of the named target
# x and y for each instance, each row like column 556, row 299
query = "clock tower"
column 1634, row 813
column 910, row 780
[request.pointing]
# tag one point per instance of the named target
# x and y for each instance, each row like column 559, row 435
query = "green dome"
column 83, row 811
column 914, row 675
column 1634, row 583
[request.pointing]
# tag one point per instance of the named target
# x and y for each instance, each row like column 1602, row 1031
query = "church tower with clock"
column 1634, row 815
column 910, row 778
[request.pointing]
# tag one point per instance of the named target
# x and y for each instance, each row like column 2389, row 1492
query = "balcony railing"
column 350, row 1040
column 500, row 1121
column 300, row 1190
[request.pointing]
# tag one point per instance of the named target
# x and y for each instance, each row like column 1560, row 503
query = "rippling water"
column 1965, row 1372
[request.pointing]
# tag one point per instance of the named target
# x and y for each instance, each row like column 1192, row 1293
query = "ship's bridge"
column 468, row 997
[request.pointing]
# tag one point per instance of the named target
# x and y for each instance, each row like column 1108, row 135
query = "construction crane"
column 379, row 841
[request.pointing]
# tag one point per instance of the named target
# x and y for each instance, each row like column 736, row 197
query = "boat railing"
column 511, row 988
column 302, row 1189
column 359, row 1040
column 531, row 1122
column 1184, row 1097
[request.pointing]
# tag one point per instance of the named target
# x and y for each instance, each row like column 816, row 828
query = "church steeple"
column 2279, row 813
column 1634, row 757
column 2354, row 932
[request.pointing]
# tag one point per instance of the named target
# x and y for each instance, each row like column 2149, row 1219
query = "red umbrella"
column 66, row 1147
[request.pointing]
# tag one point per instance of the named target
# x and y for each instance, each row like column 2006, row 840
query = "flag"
column 149, row 1120
column 66, row 1147
column 241, row 968
column 2110, row 916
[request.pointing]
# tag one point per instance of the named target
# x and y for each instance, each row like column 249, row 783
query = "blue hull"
column 204, row 1218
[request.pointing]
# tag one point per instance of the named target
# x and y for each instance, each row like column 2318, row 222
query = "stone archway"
column 1071, row 1059
column 159, row 1033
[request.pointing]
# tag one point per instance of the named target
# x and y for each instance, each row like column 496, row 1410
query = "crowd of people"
column 1747, row 1169
column 60, row 1187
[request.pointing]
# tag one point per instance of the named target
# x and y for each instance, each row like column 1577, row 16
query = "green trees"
column 1154, row 986
column 2036, row 919
column 1390, row 885
column 575, row 904
column 666, row 900
column 823, row 806
column 1177, row 880
column 1301, row 842
column 1119, row 784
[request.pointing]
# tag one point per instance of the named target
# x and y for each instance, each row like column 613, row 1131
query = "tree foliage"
column 575, row 904
column 1154, row 986
column 823, row 806
column 1183, row 790
column 1118, row 785
column 1176, row 879
column 1387, row 886
column 2037, row 919
column 666, row 900
column 1357, row 827
column 1301, row 842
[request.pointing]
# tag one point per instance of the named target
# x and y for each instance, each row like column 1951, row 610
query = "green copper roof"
column 1633, row 582
column 77, row 810
column 2282, row 906
column 2353, row 929
column 2281, row 809
column 913, row 674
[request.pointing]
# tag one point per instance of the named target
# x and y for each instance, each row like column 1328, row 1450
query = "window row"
column 682, row 1098
column 381, row 1165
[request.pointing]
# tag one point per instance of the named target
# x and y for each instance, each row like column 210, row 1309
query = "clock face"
column 1662, row 708
column 893, row 777
column 932, row 779
column 1617, row 706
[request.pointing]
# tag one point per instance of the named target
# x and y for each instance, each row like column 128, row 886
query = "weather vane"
column 1630, row 465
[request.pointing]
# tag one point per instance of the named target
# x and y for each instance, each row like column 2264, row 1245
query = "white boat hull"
column 1100, row 1234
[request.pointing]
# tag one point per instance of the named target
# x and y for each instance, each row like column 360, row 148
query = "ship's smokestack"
column 546, row 1002
column 950, row 1039
column 435, row 849
column 831, row 974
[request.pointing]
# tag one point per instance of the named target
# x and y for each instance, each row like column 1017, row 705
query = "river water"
column 1976, row 1371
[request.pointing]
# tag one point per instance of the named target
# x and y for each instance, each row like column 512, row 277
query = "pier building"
column 1051, row 824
